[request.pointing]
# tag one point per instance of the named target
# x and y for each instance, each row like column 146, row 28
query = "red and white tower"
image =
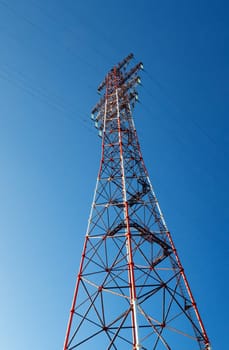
column 131, row 290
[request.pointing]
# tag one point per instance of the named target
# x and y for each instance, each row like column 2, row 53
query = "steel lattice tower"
column 131, row 290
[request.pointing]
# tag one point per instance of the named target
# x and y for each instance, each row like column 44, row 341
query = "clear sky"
column 53, row 56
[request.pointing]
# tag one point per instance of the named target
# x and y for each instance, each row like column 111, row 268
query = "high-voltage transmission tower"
column 131, row 289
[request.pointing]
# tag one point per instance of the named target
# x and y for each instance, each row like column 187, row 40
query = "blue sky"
column 53, row 56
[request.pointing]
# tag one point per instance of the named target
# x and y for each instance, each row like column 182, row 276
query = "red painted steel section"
column 188, row 289
column 74, row 297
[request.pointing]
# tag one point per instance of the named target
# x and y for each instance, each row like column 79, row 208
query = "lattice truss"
column 131, row 290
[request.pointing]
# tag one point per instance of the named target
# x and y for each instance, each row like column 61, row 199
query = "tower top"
column 117, row 78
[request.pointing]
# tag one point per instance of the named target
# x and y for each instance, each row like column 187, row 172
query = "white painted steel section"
column 157, row 204
column 97, row 181
column 152, row 190
column 133, row 301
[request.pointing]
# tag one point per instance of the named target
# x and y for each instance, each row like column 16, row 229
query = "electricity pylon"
column 131, row 290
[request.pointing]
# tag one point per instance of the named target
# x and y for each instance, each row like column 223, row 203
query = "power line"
column 156, row 82
column 46, row 33
column 43, row 97
column 69, row 30
column 168, row 98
